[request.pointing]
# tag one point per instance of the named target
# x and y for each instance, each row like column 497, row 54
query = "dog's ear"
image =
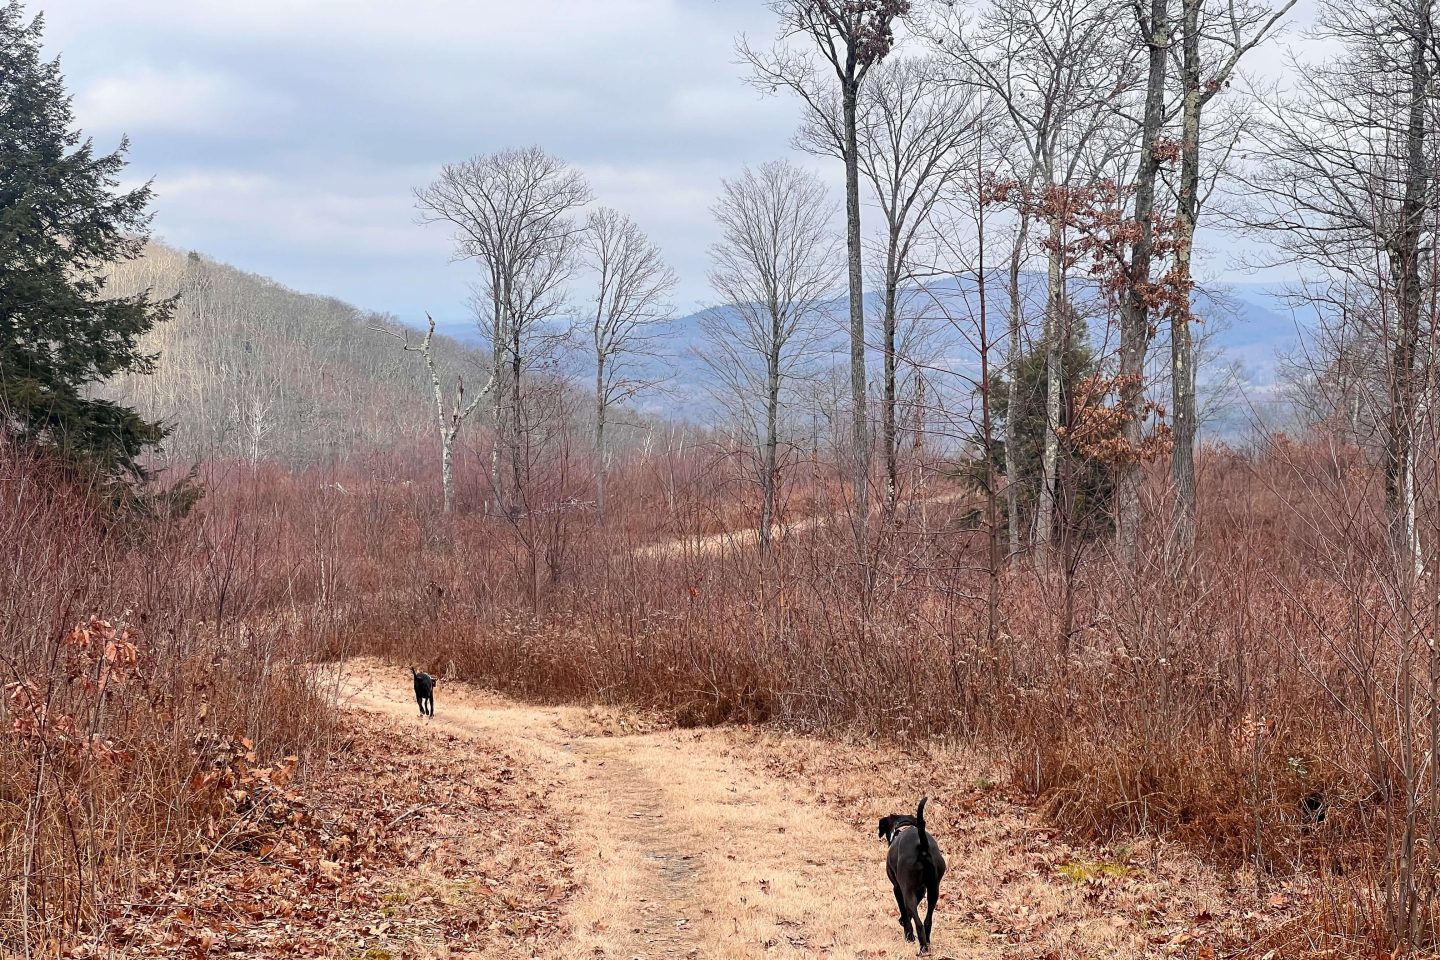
column 885, row 824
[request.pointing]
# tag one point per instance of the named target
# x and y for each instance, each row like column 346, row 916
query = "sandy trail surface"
column 681, row 849
column 731, row 843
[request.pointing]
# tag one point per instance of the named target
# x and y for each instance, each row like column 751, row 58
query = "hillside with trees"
column 247, row 369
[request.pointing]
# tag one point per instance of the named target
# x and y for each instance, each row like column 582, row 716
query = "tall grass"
column 142, row 684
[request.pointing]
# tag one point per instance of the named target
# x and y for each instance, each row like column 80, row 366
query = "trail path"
column 682, row 851
column 743, row 843
column 748, row 538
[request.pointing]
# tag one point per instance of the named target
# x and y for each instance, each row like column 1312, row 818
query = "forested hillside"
column 251, row 369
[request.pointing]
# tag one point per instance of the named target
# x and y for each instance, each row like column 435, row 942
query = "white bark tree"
column 449, row 421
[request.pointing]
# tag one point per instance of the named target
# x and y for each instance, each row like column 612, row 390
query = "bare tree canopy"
column 514, row 212
column 1347, row 182
column 773, row 268
column 631, row 305
column 850, row 37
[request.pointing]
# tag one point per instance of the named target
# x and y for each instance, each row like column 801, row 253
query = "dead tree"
column 514, row 212
column 449, row 422
column 850, row 36
column 772, row 269
column 633, row 283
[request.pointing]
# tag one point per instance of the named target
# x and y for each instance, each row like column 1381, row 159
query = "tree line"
column 1083, row 141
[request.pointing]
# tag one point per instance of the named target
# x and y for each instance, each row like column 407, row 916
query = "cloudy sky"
column 285, row 136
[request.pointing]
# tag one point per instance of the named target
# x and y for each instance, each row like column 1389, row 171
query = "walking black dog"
column 424, row 692
column 915, row 865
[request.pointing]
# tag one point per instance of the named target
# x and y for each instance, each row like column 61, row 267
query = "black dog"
column 915, row 866
column 424, row 692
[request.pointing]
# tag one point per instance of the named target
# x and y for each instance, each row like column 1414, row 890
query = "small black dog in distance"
column 915, row 866
column 424, row 692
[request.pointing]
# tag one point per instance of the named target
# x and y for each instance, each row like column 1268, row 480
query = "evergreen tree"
column 1085, row 484
column 62, row 221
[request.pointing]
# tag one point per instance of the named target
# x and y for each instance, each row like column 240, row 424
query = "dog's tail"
column 922, row 837
column 414, row 673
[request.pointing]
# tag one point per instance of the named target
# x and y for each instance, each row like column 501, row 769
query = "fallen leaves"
column 402, row 847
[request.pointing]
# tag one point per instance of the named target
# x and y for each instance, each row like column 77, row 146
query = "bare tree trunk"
column 1054, row 302
column 497, row 407
column 600, row 452
column 917, row 453
column 860, row 433
column 772, row 417
column 517, row 427
column 992, row 516
column 1405, row 273
column 889, row 427
column 1182, row 350
column 447, row 468
column 1012, row 386
column 1134, row 308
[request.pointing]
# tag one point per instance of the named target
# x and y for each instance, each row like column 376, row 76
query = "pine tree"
column 63, row 220
column 1085, row 486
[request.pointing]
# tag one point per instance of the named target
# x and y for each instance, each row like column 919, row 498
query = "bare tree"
column 514, row 211
column 851, row 36
column 449, row 422
column 912, row 128
column 1348, row 183
column 633, row 284
column 1211, row 48
column 772, row 268
column 1060, row 74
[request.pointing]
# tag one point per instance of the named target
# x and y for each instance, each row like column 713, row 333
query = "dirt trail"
column 748, row 538
column 680, row 848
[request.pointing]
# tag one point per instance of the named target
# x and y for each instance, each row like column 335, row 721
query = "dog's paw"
column 909, row 936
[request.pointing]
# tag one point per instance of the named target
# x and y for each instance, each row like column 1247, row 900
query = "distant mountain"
column 249, row 368
column 1244, row 329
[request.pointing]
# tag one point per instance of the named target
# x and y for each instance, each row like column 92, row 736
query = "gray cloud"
column 285, row 135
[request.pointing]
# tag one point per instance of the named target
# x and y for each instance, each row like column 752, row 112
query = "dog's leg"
column 932, row 894
column 912, row 905
column 904, row 914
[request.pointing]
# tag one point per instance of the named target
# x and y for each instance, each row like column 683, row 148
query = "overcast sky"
column 285, row 136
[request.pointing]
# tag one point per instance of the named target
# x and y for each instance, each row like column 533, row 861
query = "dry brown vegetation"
column 1197, row 706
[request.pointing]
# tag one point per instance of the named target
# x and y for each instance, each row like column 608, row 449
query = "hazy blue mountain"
column 1244, row 328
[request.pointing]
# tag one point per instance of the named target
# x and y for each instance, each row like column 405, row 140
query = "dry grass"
column 1193, row 702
